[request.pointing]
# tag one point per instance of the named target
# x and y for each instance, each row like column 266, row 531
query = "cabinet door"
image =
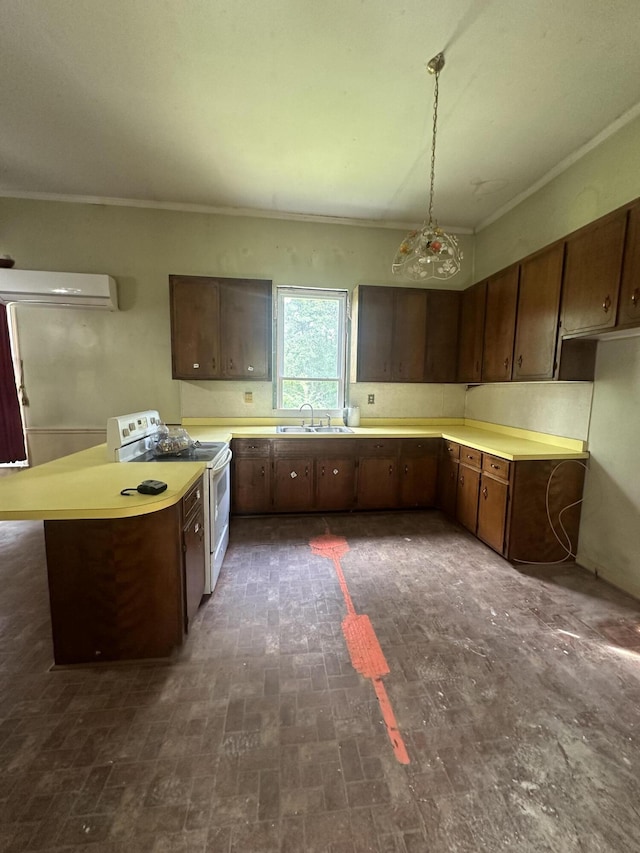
column 447, row 484
column 194, row 327
column 471, row 337
column 251, row 485
column 377, row 483
column 500, row 326
column 245, row 328
column 629, row 310
column 538, row 314
column 335, row 482
column 194, row 564
column 467, row 497
column 418, row 481
column 374, row 307
column 592, row 269
column 492, row 512
column 293, row 484
column 418, row 472
column 409, row 334
column 443, row 313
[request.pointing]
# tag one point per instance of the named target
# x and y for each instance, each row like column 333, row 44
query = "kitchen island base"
column 116, row 587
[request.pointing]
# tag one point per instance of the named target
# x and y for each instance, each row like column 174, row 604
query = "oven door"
column 219, row 509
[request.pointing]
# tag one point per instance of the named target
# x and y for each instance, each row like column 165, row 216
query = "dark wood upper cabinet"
column 538, row 308
column 443, row 313
column 221, row 328
column 500, row 325
column 195, row 312
column 629, row 307
column 245, row 329
column 592, row 270
column 389, row 331
column 471, row 334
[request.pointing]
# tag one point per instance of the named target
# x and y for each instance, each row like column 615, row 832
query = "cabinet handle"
column 197, row 527
column 497, row 467
column 506, row 364
column 520, row 361
column 378, row 446
column 485, row 493
column 406, row 469
column 322, row 472
column 196, row 365
column 462, row 480
column 197, row 494
column 306, row 471
column 390, row 470
column 213, row 363
column 230, row 364
column 262, row 471
column 606, row 304
column 635, row 296
column 469, row 456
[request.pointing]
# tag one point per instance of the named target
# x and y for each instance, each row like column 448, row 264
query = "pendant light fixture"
column 429, row 252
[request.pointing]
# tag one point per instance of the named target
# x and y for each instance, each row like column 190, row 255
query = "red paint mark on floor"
column 365, row 651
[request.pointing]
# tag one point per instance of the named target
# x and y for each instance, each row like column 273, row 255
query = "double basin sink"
column 316, row 430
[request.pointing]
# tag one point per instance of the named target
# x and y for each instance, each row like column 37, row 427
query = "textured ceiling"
column 311, row 107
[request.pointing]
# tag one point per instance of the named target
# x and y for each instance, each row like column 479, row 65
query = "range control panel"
column 125, row 429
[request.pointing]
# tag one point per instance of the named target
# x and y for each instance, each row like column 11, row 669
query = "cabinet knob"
column 197, row 527
column 520, row 361
column 462, row 481
column 390, row 470
column 197, row 494
column 406, row 469
column 497, row 467
column 231, row 364
column 335, row 471
column 262, row 471
column 485, row 493
column 293, row 475
column 635, row 296
column 196, row 366
column 506, row 364
column 249, row 368
column 213, row 363
column 606, row 304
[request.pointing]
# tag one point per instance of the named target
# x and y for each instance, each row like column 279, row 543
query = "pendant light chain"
column 433, row 149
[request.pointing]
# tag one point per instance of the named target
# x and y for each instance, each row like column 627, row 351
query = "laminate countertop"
column 88, row 485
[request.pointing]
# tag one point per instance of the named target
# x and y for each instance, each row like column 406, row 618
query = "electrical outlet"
column 371, row 399
column 248, row 396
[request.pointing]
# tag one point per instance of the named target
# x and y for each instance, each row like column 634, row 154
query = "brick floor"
column 516, row 690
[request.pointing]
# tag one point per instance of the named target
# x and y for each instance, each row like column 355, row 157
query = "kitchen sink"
column 307, row 430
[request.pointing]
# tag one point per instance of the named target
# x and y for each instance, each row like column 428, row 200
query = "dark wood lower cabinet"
column 467, row 497
column 116, row 587
column 377, row 482
column 194, row 561
column 335, row 482
column 292, row 484
column 492, row 512
column 337, row 474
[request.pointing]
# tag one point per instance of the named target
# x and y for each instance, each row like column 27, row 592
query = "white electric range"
column 131, row 438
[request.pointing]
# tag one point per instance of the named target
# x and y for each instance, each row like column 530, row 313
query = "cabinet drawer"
column 191, row 500
column 451, row 449
column 496, row 466
column 251, row 446
column 470, row 457
column 294, row 446
column 378, row 446
column 419, row 446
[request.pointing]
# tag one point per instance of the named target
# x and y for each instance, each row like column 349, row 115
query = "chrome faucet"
column 311, row 407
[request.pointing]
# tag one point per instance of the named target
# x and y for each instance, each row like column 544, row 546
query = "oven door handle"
column 223, row 462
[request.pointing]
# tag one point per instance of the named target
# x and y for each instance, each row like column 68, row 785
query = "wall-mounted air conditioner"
column 68, row 289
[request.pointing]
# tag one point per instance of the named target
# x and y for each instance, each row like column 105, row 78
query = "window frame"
column 341, row 296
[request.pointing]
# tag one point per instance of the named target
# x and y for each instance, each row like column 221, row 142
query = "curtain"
column 12, row 448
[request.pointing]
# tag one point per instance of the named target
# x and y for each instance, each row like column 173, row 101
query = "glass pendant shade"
column 427, row 253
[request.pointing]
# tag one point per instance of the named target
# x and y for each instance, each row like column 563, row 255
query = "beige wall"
column 604, row 179
column 82, row 366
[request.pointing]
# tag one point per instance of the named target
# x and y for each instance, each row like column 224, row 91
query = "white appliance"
column 131, row 438
column 62, row 289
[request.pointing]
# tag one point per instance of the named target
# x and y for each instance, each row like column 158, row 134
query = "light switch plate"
column 248, row 396
column 371, row 398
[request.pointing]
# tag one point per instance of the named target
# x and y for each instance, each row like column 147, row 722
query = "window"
column 311, row 346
